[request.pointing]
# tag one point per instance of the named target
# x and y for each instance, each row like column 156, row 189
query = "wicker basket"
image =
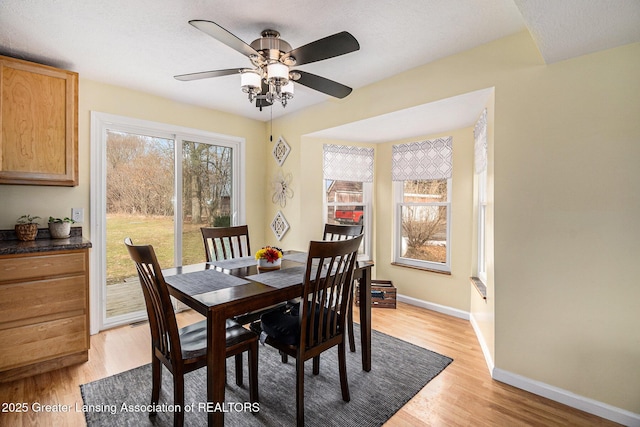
column 26, row 232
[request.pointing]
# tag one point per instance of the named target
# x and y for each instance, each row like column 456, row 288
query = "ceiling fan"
column 271, row 77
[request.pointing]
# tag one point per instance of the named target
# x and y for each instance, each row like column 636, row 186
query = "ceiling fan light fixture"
column 277, row 74
column 287, row 90
column 250, row 81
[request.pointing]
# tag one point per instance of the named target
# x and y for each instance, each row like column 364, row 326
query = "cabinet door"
column 38, row 113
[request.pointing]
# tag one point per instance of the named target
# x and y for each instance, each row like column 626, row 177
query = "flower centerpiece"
column 269, row 258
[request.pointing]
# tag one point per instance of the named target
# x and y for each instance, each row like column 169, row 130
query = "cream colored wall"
column 482, row 311
column 567, row 203
column 449, row 290
column 565, row 206
column 94, row 96
column 116, row 100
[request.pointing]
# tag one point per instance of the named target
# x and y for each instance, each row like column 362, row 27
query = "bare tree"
column 140, row 171
column 423, row 223
column 206, row 181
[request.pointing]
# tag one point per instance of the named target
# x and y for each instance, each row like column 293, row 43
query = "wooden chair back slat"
column 341, row 232
column 226, row 242
column 327, row 286
column 162, row 320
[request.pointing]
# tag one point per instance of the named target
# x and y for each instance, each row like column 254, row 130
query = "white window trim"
column 100, row 123
column 367, row 197
column 398, row 190
column 482, row 226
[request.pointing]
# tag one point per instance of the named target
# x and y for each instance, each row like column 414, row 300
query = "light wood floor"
column 462, row 395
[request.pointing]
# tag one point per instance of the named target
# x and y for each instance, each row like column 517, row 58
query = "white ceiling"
column 435, row 117
column 142, row 44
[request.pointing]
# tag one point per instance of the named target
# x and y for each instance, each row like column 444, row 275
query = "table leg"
column 365, row 318
column 216, row 355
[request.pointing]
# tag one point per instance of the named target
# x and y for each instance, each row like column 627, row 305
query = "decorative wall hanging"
column 280, row 151
column 281, row 185
column 279, row 225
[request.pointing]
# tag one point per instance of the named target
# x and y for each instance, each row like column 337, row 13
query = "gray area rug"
column 399, row 371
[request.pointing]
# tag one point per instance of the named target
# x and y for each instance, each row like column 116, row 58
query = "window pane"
column 425, row 191
column 344, row 199
column 344, row 191
column 424, row 233
column 139, row 205
column 207, row 192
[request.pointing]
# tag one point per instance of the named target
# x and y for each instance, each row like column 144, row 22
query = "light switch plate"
column 77, row 214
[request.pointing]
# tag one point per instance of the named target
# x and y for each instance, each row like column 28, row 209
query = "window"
column 348, row 182
column 422, row 186
column 157, row 184
column 480, row 166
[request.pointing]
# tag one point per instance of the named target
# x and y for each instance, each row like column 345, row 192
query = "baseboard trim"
column 483, row 343
column 603, row 410
column 568, row 398
column 434, row 307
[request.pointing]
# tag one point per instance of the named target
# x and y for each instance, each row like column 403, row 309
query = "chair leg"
column 253, row 372
column 239, row 379
column 284, row 357
column 352, row 340
column 299, row 391
column 178, row 399
column 156, row 381
column 342, row 367
column 316, row 365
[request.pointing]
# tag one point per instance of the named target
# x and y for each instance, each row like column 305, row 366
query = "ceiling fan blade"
column 207, row 74
column 224, row 36
column 328, row 47
column 323, row 85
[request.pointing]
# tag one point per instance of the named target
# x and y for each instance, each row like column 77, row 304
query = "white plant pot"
column 263, row 264
column 59, row 230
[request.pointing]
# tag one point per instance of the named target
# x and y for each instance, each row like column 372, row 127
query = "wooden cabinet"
column 39, row 119
column 44, row 312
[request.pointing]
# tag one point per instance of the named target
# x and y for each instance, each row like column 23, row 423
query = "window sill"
column 480, row 287
column 431, row 270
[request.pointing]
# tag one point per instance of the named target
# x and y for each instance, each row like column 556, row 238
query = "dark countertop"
column 10, row 245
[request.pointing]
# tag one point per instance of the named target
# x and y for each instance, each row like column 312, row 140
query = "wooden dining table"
column 223, row 289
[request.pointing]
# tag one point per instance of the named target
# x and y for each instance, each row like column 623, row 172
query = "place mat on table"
column 300, row 257
column 200, row 282
column 280, row 278
column 230, row 264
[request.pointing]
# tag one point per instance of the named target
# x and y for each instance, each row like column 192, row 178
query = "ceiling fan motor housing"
column 271, row 46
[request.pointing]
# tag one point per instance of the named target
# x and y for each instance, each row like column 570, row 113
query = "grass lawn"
column 156, row 231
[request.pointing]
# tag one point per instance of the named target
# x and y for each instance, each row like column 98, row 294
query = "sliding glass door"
column 207, row 192
column 146, row 172
column 139, row 201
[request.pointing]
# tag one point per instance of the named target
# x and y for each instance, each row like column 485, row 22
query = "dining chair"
column 183, row 350
column 342, row 232
column 226, row 242
column 316, row 324
column 221, row 243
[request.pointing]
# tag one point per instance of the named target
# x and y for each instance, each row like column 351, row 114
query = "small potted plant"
column 27, row 227
column 60, row 228
column 269, row 258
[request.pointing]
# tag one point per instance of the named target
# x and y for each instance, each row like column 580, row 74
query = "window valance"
column 348, row 163
column 430, row 159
